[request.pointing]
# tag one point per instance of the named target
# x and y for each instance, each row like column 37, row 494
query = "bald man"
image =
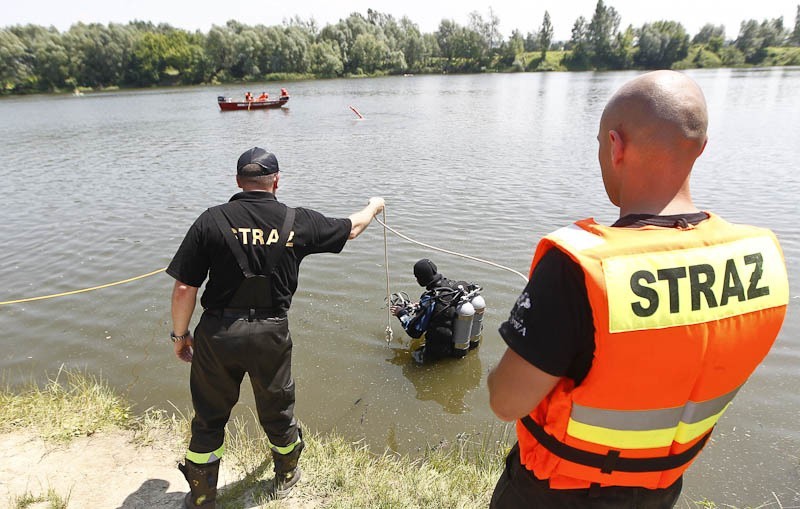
column 630, row 340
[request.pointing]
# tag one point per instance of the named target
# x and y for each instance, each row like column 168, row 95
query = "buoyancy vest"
column 682, row 317
column 443, row 299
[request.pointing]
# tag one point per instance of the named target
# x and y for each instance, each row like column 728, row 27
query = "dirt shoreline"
column 107, row 470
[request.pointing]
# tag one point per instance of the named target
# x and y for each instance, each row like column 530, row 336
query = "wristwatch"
column 175, row 337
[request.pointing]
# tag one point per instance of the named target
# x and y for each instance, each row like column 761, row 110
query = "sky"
column 513, row 14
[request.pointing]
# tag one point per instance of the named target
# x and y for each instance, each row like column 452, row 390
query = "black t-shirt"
column 551, row 324
column 258, row 216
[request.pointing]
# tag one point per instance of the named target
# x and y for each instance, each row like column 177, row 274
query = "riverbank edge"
column 78, row 417
column 74, row 442
column 529, row 62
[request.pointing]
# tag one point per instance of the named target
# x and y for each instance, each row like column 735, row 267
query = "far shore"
column 552, row 64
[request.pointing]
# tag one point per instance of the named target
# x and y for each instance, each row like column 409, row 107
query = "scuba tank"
column 462, row 328
column 476, row 332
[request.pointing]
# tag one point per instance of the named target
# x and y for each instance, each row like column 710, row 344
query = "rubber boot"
column 287, row 473
column 202, row 481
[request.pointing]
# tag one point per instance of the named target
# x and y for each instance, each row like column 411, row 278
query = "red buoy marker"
column 356, row 112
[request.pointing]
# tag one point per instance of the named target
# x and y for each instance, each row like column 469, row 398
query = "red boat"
column 227, row 104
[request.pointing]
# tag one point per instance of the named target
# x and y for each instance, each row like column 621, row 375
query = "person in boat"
column 248, row 97
column 444, row 314
column 630, row 340
column 284, row 93
column 252, row 276
column 263, row 97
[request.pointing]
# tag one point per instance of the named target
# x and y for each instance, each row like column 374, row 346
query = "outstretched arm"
column 363, row 217
column 414, row 319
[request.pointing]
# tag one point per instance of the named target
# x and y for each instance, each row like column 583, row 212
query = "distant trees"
column 579, row 45
column 624, row 49
column 369, row 54
column 445, row 38
column 464, row 48
column 755, row 37
column 324, row 59
column 661, row 44
column 712, row 36
column 541, row 42
column 602, row 30
column 545, row 35
column 416, row 50
column 376, row 43
column 34, row 58
column 15, row 69
column 488, row 30
column 172, row 56
column 594, row 44
column 515, row 46
column 599, row 44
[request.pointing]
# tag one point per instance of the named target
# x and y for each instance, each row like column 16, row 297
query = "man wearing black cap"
column 250, row 248
column 435, row 313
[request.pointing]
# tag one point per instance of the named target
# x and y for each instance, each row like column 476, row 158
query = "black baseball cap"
column 257, row 155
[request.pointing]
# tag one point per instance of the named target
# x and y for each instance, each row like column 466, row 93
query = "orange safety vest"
column 682, row 317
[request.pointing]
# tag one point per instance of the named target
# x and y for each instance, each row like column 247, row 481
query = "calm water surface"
column 103, row 187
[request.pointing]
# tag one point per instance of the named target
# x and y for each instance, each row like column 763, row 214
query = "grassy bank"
column 336, row 473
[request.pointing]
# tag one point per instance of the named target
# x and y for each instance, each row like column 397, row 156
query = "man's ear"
column 703, row 148
column 617, row 146
column 275, row 182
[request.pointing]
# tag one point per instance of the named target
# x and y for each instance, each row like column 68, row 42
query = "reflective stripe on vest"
column 647, row 429
column 612, row 461
column 577, row 238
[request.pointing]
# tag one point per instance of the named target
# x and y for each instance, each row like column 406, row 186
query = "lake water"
column 101, row 188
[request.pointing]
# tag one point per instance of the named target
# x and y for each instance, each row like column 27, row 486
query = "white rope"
column 73, row 292
column 468, row 257
column 388, row 290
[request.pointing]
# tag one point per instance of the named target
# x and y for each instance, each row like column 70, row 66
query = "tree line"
column 38, row 59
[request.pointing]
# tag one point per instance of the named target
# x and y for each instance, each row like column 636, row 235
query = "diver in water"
column 449, row 314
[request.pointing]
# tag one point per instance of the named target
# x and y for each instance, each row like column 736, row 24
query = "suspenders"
column 256, row 289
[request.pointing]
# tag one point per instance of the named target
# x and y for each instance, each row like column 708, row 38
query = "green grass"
column 344, row 474
column 337, row 473
column 53, row 500
column 286, row 76
column 699, row 58
column 349, row 475
column 782, row 56
column 552, row 62
column 69, row 405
